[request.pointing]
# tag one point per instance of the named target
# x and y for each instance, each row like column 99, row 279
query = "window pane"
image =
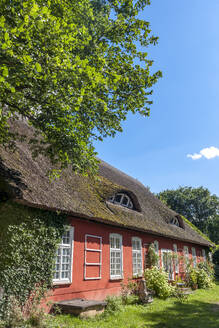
column 194, row 256
column 125, row 201
column 56, row 275
column 66, row 238
column 118, row 243
column 115, row 243
column 118, row 198
column 111, row 199
column 175, row 221
column 139, row 256
column 138, row 244
column 130, row 205
column 136, row 256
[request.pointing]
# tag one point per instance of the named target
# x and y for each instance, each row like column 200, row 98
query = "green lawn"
column 201, row 310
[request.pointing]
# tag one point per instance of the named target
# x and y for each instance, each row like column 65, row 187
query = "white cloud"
column 209, row 153
column 194, row 156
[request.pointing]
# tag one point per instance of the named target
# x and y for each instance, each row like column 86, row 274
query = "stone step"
column 186, row 290
column 81, row 307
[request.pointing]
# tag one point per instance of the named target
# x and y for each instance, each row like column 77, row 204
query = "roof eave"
column 108, row 222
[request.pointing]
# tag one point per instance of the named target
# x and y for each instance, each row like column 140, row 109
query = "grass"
column 201, row 310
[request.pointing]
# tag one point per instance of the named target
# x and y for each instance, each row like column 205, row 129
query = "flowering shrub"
column 157, row 280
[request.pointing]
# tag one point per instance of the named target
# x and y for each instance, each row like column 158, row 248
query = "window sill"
column 96, row 278
column 61, row 283
column 116, row 278
column 138, row 276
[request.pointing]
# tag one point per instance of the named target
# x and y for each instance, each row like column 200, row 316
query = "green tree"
column 73, row 70
column 213, row 229
column 198, row 205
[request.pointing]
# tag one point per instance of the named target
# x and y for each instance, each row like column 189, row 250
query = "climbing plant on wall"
column 28, row 241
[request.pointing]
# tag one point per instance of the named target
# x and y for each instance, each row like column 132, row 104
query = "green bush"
column 157, row 280
column 114, row 304
column 208, row 267
column 204, row 279
column 200, row 277
column 36, row 317
column 129, row 292
column 192, row 278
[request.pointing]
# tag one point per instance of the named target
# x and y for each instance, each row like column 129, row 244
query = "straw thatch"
column 26, row 180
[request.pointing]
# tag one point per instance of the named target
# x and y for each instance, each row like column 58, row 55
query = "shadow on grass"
column 194, row 314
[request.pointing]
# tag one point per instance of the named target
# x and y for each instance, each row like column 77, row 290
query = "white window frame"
column 164, row 250
column 71, row 247
column 175, row 221
column 137, row 251
column 86, row 250
column 176, row 260
column 194, row 257
column 156, row 248
column 129, row 204
column 204, row 255
column 112, row 250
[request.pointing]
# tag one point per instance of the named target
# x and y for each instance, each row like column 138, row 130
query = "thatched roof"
column 26, row 181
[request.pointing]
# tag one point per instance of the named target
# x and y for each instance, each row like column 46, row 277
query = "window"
column 204, row 255
column 167, row 262
column 175, row 221
column 64, row 256
column 137, row 257
column 186, row 253
column 186, row 256
column 156, row 248
column 176, row 260
column 194, row 257
column 121, row 199
column 116, row 256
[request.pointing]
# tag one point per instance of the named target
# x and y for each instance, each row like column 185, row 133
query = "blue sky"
column 185, row 115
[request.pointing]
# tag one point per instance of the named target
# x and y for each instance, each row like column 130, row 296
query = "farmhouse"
column 112, row 222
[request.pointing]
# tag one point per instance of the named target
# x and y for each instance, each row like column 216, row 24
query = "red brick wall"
column 99, row 289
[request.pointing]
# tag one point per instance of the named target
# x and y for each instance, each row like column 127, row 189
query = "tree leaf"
column 38, row 67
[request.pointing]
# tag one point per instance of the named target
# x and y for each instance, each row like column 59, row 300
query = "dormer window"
column 121, row 199
column 175, row 221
